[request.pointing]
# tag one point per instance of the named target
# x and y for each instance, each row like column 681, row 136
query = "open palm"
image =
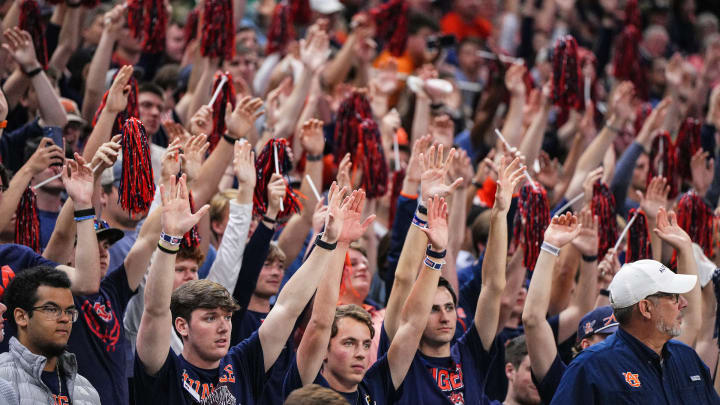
column 434, row 171
column 587, row 238
column 562, row 230
column 353, row 227
column 437, row 230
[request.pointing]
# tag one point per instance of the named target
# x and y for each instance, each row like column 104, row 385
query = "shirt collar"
column 640, row 349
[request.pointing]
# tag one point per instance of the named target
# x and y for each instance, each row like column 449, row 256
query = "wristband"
column 33, row 72
column 314, row 158
column 268, row 219
column 166, row 250
column 3, row 124
column 435, row 255
column 477, row 184
column 84, row 218
column 433, row 264
column 323, row 244
column 419, row 222
column 84, row 213
column 173, row 240
column 229, row 139
column 555, row 251
column 605, row 292
column 422, row 209
column 589, row 259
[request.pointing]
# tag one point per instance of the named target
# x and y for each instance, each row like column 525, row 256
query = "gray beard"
column 666, row 329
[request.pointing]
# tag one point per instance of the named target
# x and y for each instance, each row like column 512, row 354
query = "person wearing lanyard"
column 641, row 362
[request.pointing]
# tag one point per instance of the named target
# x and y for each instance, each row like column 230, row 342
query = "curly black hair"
column 21, row 292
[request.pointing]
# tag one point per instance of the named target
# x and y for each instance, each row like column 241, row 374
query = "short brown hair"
column 192, row 253
column 515, row 351
column 275, row 253
column 200, row 294
column 355, row 312
column 220, row 202
column 314, row 394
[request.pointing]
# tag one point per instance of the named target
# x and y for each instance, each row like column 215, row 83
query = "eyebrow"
column 53, row 303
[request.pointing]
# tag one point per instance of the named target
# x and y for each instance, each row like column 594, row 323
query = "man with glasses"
column 641, row 362
column 41, row 306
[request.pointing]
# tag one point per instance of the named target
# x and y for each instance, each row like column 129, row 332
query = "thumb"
column 201, row 213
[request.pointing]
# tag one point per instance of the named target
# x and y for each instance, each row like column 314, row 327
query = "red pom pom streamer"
column 227, row 95
column 603, row 205
column 696, row 218
column 627, row 61
column 281, row 30
column 566, row 87
column 31, row 21
column 191, row 238
column 265, row 166
column 642, row 112
column 531, row 220
column 218, row 32
column 398, row 177
column 137, row 187
column 191, row 25
column 666, row 164
column 300, row 11
column 148, row 19
column 686, row 144
column 131, row 111
column 638, row 240
column 27, row 223
column 391, row 21
column 358, row 134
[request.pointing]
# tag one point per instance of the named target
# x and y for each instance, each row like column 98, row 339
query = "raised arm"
column 338, row 68
column 314, row 344
column 513, row 126
column 671, row 233
column 68, row 40
column 541, row 344
column 432, row 181
column 487, row 312
column 532, row 141
column 654, row 198
column 279, row 323
column 153, row 339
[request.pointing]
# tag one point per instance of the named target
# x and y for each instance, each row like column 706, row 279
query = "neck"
column 49, row 200
column 434, row 349
column 259, row 304
column 349, row 298
column 129, row 56
column 192, row 357
column 647, row 333
column 513, row 321
column 51, row 362
column 336, row 383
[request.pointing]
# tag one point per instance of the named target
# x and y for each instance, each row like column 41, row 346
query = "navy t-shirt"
column 52, row 380
column 98, row 338
column 376, row 387
column 238, row 380
column 547, row 387
column 47, row 221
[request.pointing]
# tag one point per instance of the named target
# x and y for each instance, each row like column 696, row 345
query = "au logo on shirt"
column 632, row 379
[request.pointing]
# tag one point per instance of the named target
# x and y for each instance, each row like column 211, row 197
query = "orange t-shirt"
column 404, row 62
column 452, row 23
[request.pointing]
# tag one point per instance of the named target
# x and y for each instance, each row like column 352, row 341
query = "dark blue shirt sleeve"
column 575, row 387
column 115, row 284
column 623, row 175
column 546, row 388
column 249, row 362
column 400, row 227
column 379, row 380
column 12, row 145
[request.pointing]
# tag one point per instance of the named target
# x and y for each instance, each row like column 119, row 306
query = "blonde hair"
column 220, row 202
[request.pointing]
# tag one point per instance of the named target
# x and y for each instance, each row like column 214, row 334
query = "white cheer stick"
column 571, row 202
column 588, row 84
column 396, row 151
column 57, row 176
column 624, row 231
column 502, row 58
column 277, row 170
column 215, row 95
column 507, row 145
column 312, row 186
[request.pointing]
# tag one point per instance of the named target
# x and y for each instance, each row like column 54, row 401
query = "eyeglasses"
column 673, row 297
column 54, row 312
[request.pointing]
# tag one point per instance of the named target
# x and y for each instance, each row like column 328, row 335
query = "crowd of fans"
column 364, row 202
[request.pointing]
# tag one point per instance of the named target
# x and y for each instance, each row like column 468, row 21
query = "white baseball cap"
column 637, row 280
column 326, row 6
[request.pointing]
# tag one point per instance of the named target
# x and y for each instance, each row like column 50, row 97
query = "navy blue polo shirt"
column 622, row 370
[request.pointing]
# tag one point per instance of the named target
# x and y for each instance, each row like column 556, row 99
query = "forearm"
column 487, row 312
column 512, row 128
column 621, row 180
column 61, row 241
column 204, row 86
column 95, row 83
column 137, row 260
column 86, row 279
column 400, row 226
column 290, row 110
column 592, row 157
column 225, row 269
column 212, row 171
column 337, row 69
column 11, row 197
column 68, row 41
column 421, row 118
column 14, row 87
column 456, row 220
column 12, row 18
column 101, row 133
column 693, row 317
column 51, row 111
column 532, row 142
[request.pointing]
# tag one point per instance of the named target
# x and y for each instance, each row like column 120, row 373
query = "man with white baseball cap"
column 641, row 362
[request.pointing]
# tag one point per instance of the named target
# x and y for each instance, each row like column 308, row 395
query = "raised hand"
column 353, row 226
column 275, row 194
column 589, row 183
column 201, row 121
column 414, row 167
column 194, row 152
column 117, row 98
column 510, row 175
column 437, row 230
column 562, row 230
column 335, row 217
column 655, row 196
column 385, row 81
column 175, row 130
column 318, row 219
column 78, row 180
column 607, row 268
column 241, row 120
column 19, row 45
column 114, row 20
column 106, row 155
column 549, row 174
column 514, row 80
column 587, row 238
column 272, row 102
column 462, row 168
column 621, row 101
column 244, row 165
column 343, row 173
column 443, row 129
column 434, row 173
column 47, row 153
column 312, row 138
column 702, row 171
column 655, row 120
column 314, row 50
column 670, row 232
column 171, row 161
column 177, row 218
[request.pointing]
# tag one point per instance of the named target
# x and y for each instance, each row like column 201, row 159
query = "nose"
column 225, row 325
column 682, row 302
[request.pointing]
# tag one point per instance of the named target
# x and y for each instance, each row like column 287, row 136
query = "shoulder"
column 84, row 391
column 678, row 348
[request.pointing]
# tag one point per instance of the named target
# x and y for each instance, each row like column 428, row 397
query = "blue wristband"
column 419, row 222
column 85, row 218
column 173, row 240
column 432, row 264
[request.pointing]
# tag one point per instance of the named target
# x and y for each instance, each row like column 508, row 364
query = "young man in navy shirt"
column 209, row 369
column 443, row 371
column 641, row 362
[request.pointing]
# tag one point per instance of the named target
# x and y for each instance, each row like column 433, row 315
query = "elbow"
column 530, row 319
column 88, row 288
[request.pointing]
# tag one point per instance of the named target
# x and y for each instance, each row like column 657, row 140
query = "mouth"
column 445, row 330
column 358, row 368
column 221, row 342
column 62, row 332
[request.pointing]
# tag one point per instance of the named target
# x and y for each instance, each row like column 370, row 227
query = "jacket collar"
column 33, row 364
column 640, row 349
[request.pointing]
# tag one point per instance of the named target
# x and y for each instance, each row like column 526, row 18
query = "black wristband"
column 33, row 72
column 84, row 213
column 477, row 185
column 268, row 219
column 589, row 259
column 314, row 158
column 436, row 255
column 166, row 250
column 229, row 139
column 605, row 292
column 422, row 209
column 323, row 244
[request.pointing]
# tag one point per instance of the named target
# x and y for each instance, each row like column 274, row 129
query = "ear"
column 585, row 343
column 509, row 371
column 182, row 326
column 645, row 309
column 217, row 227
column 22, row 318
